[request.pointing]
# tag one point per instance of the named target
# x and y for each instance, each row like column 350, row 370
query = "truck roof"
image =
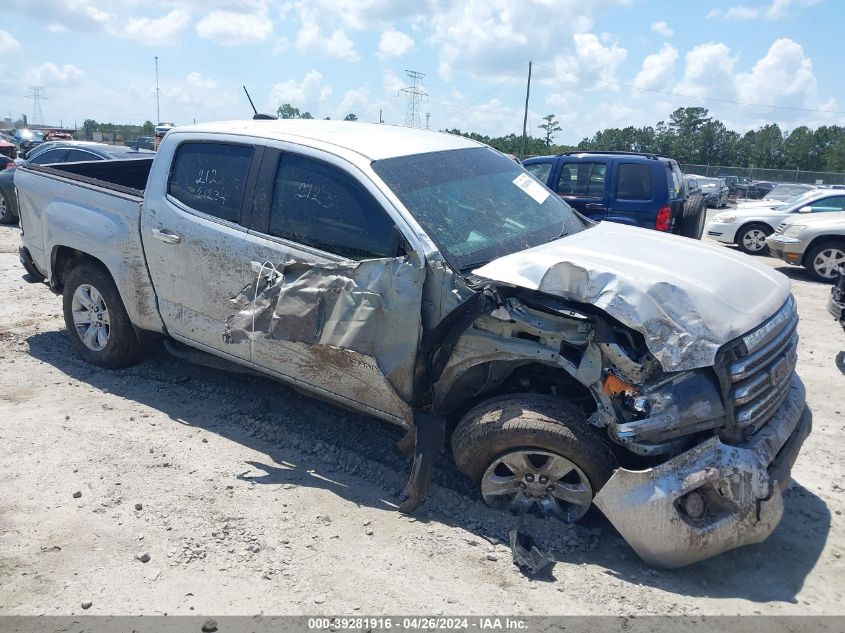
column 374, row 141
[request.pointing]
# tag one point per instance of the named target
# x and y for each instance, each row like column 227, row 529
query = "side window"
column 582, row 179
column 633, row 182
column 835, row 203
column 319, row 205
column 676, row 179
column 75, row 155
column 540, row 171
column 211, row 178
column 50, row 157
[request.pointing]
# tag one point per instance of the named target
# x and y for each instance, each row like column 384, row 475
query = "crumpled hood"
column 686, row 297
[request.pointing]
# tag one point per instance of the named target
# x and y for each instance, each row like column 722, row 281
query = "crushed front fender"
column 739, row 492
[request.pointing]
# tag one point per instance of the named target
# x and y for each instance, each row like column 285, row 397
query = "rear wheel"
column 826, row 262
column 532, row 453
column 99, row 328
column 752, row 239
column 6, row 216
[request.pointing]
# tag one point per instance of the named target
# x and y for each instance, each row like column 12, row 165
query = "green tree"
column 306, row 115
column 148, row 129
column 550, row 128
column 287, row 111
column 350, row 117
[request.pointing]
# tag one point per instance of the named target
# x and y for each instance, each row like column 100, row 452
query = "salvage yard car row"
column 429, row 281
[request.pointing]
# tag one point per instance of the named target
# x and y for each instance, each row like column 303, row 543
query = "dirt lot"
column 248, row 497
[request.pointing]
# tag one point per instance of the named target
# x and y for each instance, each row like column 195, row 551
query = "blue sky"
column 597, row 63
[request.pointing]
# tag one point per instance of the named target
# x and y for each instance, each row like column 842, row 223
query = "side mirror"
column 805, row 210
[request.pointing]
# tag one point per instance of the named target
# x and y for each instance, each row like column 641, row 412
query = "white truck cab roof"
column 373, row 141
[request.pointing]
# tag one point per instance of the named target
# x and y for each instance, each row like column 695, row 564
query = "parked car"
column 53, row 152
column 815, row 242
column 737, row 185
column 714, row 189
column 8, row 149
column 643, row 190
column 142, row 142
column 163, row 128
column 27, row 139
column 784, row 192
column 430, row 281
column 836, row 304
column 748, row 227
column 7, row 163
column 759, row 189
column 54, row 135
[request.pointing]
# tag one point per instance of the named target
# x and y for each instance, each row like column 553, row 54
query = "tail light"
column 11, row 165
column 664, row 219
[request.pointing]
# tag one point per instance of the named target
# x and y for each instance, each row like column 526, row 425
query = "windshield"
column 787, row 192
column 477, row 205
column 789, row 203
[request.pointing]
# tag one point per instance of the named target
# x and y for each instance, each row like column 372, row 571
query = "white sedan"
column 748, row 227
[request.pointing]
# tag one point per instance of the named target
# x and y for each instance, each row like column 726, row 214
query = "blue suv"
column 643, row 190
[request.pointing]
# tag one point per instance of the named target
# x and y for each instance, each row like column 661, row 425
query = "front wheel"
column 6, row 216
column 532, row 453
column 826, row 262
column 752, row 239
column 99, row 328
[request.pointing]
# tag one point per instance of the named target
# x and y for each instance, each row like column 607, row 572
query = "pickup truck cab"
column 643, row 190
column 430, row 281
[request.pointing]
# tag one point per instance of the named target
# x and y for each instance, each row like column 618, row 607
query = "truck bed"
column 125, row 176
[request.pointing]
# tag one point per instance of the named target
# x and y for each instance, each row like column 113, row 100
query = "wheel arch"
column 818, row 241
column 753, row 223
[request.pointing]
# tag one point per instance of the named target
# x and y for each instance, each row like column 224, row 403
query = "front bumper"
column 722, row 232
column 741, row 485
column 789, row 249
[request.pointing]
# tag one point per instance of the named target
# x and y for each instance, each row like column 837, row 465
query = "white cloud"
column 158, row 31
column 776, row 10
column 657, row 69
column 227, row 28
column 394, row 44
column 56, row 28
column 784, row 76
column 662, row 28
column 281, row 45
column 709, row 72
column 392, row 83
column 313, row 40
column 52, row 74
column 196, row 80
column 8, row 43
column 310, row 94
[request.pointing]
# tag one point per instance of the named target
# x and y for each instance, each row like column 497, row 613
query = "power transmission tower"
column 36, row 93
column 415, row 95
column 427, row 117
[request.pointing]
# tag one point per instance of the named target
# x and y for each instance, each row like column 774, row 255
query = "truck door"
column 582, row 184
column 193, row 228
column 339, row 291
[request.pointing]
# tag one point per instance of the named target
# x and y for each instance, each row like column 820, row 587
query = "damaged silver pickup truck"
column 430, row 281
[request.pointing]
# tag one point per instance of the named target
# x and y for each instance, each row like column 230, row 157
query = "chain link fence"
column 773, row 175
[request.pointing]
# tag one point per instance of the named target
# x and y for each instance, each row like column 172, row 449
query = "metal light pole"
column 158, row 109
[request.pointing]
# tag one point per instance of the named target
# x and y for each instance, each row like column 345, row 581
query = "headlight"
column 794, row 230
column 724, row 218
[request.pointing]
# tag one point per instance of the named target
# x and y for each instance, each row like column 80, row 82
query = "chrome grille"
column 781, row 228
column 761, row 374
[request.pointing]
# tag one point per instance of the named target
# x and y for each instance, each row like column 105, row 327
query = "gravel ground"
column 173, row 488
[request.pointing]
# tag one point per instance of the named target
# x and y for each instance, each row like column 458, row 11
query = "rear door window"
column 211, row 178
column 75, row 155
column 582, row 179
column 50, row 157
column 634, row 182
column 540, row 171
column 319, row 205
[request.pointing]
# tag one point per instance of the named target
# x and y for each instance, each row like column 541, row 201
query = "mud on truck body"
column 430, row 281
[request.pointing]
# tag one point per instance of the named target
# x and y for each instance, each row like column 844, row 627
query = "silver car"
column 816, row 242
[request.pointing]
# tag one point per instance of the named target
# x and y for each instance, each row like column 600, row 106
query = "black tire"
column 747, row 238
column 529, row 421
column 833, row 247
column 123, row 346
column 6, row 215
column 693, row 214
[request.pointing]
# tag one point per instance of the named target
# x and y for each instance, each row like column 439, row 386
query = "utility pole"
column 158, row 108
column 427, row 117
column 415, row 95
column 525, row 118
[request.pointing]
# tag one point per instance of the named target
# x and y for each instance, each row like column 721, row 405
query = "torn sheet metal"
column 671, row 289
column 738, row 493
column 371, row 307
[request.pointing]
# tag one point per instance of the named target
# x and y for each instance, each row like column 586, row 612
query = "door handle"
column 595, row 206
column 166, row 236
